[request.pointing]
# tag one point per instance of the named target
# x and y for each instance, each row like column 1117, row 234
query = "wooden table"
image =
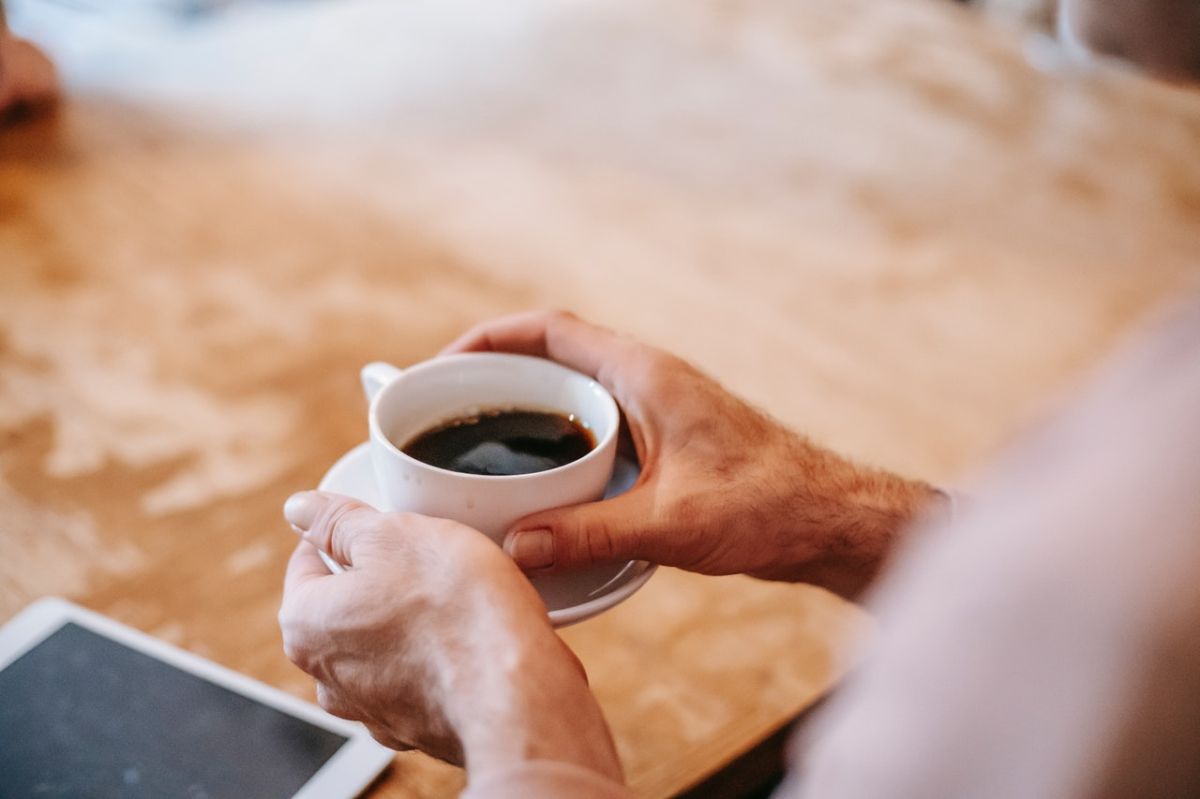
column 874, row 218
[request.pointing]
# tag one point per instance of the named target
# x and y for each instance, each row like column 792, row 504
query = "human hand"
column 434, row 640
column 723, row 488
column 26, row 75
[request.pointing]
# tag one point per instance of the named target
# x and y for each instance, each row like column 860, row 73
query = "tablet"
column 90, row 707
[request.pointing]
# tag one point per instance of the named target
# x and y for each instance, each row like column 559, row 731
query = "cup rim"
column 611, row 411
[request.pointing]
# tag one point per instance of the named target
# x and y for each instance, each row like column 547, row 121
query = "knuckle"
column 657, row 360
column 341, row 523
column 295, row 653
column 658, row 368
column 335, row 520
column 332, row 703
column 386, row 737
column 561, row 315
column 289, row 620
column 296, row 646
column 599, row 542
column 284, row 617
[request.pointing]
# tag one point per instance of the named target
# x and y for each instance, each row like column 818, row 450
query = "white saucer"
column 570, row 597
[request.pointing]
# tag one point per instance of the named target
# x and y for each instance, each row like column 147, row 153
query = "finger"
column 333, row 703
column 556, row 335
column 333, row 523
column 582, row 535
column 303, row 566
column 384, row 736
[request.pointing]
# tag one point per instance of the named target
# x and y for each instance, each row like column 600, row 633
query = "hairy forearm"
column 840, row 521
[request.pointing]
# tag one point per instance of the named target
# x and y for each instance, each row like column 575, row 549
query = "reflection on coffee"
column 503, row 442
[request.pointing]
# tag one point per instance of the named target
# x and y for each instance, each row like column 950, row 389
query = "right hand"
column 724, row 488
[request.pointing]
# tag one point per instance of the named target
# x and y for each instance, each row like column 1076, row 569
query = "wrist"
column 515, row 693
column 844, row 520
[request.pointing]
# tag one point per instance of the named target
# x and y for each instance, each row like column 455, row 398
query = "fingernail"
column 301, row 510
column 531, row 549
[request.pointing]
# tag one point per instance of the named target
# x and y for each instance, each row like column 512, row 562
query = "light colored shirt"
column 1045, row 642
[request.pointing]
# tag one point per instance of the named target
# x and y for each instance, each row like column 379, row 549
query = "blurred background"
column 901, row 226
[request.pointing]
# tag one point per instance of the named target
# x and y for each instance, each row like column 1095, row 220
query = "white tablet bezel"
column 345, row 775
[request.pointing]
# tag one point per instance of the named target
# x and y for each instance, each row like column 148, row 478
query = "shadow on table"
column 757, row 772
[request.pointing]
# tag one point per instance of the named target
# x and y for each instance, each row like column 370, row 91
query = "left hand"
column 434, row 640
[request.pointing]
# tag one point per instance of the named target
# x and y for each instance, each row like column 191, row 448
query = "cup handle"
column 377, row 375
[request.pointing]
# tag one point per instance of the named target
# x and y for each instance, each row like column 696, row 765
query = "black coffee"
column 503, row 442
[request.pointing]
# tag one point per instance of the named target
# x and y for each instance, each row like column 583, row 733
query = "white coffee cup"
column 407, row 402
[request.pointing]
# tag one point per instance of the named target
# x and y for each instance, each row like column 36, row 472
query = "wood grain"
column 875, row 219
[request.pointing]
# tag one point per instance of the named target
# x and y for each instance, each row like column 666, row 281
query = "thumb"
column 580, row 535
column 335, row 524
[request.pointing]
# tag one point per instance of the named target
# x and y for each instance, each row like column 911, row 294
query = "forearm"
column 545, row 780
column 841, row 521
column 526, row 699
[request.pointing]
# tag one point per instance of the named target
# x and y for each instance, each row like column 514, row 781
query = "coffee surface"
column 503, row 442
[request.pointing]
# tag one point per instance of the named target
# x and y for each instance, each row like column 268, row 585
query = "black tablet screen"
column 84, row 716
